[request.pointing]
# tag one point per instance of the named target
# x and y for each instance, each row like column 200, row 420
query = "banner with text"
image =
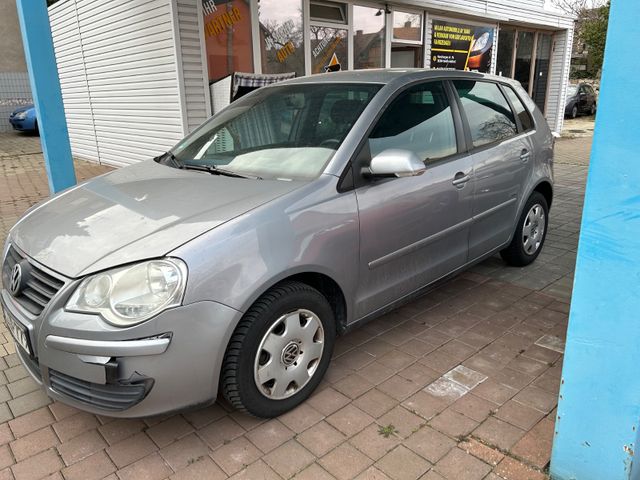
column 460, row 46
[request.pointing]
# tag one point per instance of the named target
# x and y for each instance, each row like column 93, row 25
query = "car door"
column 501, row 157
column 413, row 230
column 583, row 99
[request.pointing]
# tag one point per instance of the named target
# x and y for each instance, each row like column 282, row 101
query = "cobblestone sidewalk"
column 460, row 384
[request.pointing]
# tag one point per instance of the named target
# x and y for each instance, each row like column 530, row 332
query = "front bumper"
column 171, row 362
column 21, row 124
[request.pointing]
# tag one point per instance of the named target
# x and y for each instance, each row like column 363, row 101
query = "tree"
column 573, row 7
column 592, row 18
column 594, row 34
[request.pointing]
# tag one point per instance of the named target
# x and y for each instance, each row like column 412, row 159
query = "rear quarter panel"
column 543, row 145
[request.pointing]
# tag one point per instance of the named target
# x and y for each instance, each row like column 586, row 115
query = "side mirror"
column 396, row 163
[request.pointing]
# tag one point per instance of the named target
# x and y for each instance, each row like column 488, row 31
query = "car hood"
column 138, row 212
column 21, row 109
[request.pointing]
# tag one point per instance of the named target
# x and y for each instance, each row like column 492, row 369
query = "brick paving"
column 460, row 384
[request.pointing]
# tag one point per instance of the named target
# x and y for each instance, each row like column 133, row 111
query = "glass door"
column 541, row 72
column 524, row 58
column 506, row 44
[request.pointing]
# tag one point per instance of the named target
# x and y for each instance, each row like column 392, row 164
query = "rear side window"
column 521, row 110
column 490, row 117
column 420, row 120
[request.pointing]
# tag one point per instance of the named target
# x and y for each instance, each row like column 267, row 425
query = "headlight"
column 20, row 115
column 480, row 42
column 130, row 295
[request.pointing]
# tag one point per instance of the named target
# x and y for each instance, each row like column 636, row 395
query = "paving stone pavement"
column 459, row 384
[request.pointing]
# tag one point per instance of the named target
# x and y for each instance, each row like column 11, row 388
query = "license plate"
column 18, row 331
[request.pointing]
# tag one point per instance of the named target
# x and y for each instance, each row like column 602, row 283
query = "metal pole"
column 47, row 97
column 598, row 416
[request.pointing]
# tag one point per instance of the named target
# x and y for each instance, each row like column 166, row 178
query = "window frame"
column 342, row 6
column 521, row 129
column 471, row 148
column 351, row 177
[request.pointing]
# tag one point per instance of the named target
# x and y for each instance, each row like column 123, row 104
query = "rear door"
column 501, row 156
column 414, row 230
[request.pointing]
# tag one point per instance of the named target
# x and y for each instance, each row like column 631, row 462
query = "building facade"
column 138, row 75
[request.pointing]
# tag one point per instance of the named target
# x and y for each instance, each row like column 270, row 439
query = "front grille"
column 40, row 286
column 113, row 397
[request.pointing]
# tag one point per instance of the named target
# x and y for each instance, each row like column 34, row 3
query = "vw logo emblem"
column 290, row 354
column 16, row 279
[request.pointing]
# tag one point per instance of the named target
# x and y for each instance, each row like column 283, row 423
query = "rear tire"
column 279, row 351
column 530, row 234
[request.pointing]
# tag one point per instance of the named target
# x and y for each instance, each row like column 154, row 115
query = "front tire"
column 279, row 351
column 530, row 234
column 574, row 112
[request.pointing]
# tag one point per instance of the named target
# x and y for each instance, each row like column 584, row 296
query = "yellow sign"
column 334, row 64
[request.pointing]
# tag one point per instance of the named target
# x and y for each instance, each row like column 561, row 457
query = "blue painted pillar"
column 599, row 409
column 47, row 97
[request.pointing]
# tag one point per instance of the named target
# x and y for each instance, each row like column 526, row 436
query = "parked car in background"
column 24, row 119
column 300, row 211
column 581, row 99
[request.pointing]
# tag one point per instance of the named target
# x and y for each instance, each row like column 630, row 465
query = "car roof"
column 391, row 75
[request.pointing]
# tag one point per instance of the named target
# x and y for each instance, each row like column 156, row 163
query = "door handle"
column 525, row 155
column 460, row 179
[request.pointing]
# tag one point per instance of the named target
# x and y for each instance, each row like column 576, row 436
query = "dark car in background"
column 581, row 99
column 24, row 119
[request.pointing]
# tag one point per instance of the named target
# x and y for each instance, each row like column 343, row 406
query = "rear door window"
column 521, row 111
column 487, row 110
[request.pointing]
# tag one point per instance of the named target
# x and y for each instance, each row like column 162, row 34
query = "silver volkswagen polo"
column 230, row 263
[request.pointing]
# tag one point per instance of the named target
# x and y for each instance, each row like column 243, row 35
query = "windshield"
column 286, row 132
column 572, row 90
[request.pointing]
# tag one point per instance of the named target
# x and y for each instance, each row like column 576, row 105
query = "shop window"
column 328, row 49
column 328, row 12
column 541, row 71
column 281, row 36
column 368, row 38
column 524, row 58
column 406, row 49
column 490, row 117
column 227, row 33
column 407, row 27
column 506, row 42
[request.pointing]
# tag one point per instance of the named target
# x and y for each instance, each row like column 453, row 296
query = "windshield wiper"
column 216, row 171
column 168, row 156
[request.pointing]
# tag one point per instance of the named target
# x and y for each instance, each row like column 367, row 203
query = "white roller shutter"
column 131, row 74
column 73, row 80
column 558, row 79
column 196, row 82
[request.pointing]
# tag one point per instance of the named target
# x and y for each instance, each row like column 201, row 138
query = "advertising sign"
column 463, row 47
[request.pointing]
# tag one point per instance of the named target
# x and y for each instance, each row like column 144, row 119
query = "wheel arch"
column 546, row 190
column 321, row 281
